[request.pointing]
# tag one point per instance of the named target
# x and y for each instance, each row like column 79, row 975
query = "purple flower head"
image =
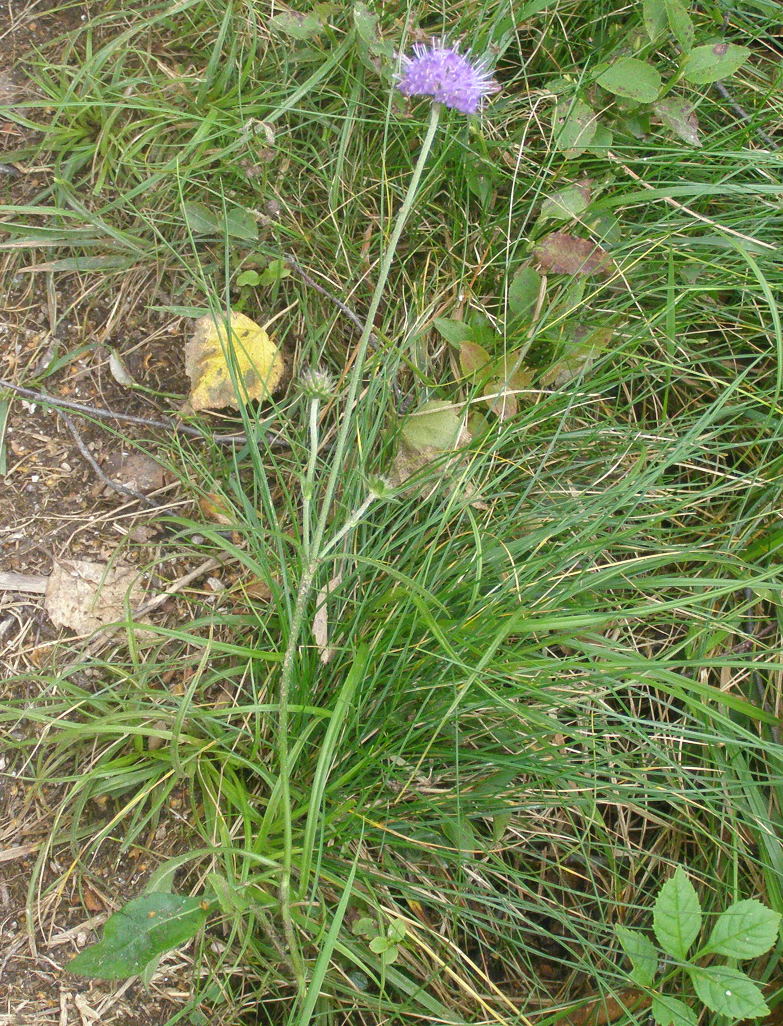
column 449, row 77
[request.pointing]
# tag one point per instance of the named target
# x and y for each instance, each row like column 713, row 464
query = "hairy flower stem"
column 313, row 557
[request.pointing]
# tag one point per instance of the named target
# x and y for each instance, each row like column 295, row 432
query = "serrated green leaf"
column 575, row 126
column 670, row 1011
column 680, row 23
column 654, row 17
column 633, row 79
column 139, row 932
column 745, row 929
column 677, row 915
column 728, row 992
column 642, row 953
column 706, row 64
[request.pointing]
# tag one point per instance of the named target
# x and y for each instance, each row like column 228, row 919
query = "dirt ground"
column 53, row 505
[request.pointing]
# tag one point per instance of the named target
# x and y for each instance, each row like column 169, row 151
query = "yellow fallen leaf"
column 257, row 363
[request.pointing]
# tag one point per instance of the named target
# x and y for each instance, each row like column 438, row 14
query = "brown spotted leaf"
column 567, row 254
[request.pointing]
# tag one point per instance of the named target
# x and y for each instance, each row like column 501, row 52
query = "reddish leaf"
column 567, row 254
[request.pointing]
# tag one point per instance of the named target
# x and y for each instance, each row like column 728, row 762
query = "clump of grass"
column 555, row 670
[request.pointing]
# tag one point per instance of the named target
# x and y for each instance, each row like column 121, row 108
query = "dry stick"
column 114, row 485
column 83, row 410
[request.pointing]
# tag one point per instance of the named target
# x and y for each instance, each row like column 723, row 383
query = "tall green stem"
column 312, row 558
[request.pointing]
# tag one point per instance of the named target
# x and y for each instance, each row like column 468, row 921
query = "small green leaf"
column 523, row 292
column 251, row 278
column 139, row 932
column 397, row 931
column 633, row 79
column 710, row 63
column 728, row 992
column 389, row 954
column 453, row 331
column 575, row 126
column 679, row 116
column 670, row 1011
column 296, row 25
column 642, row 953
column 677, row 915
column 745, row 929
column 680, row 23
column 379, row 945
column 364, row 927
column 274, row 271
column 654, row 17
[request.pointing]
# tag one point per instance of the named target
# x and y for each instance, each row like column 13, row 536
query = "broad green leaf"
column 728, row 992
column 670, row 1011
column 679, row 116
column 567, row 203
column 241, row 224
column 642, row 953
column 139, row 932
column 389, row 954
column 201, row 220
column 435, row 425
column 364, row 927
column 677, row 915
column 379, row 945
column 296, row 25
column 523, row 292
column 745, row 929
column 453, row 331
column 397, row 931
column 633, row 79
column 654, row 17
column 710, row 63
column 575, row 126
column 366, row 23
column 680, row 23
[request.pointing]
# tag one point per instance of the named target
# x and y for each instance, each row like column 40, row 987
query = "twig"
column 114, row 485
column 84, row 410
column 743, row 114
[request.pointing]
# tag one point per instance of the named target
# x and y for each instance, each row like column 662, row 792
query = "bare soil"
column 53, row 504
